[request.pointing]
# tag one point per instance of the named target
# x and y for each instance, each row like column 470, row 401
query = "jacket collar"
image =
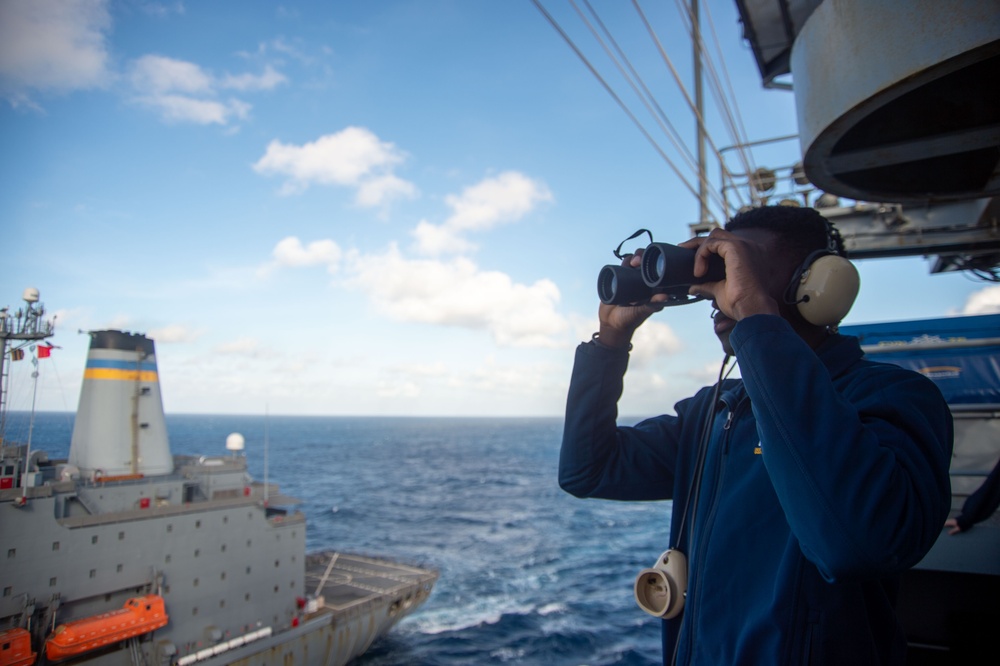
column 839, row 352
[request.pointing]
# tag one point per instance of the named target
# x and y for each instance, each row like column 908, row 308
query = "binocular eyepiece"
column 665, row 269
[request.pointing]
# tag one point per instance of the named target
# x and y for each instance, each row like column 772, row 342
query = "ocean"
column 528, row 573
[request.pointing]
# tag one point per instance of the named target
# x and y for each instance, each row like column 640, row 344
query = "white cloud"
column 708, row 374
column 458, row 293
column 118, row 323
column 290, row 252
column 160, row 75
column 522, row 379
column 66, row 317
column 653, row 340
column 436, row 240
column 353, row 157
column 177, row 108
column 375, row 191
column 421, row 369
column 984, row 301
column 497, row 200
column 397, row 389
column 268, row 80
column 297, row 50
column 241, row 347
column 52, row 45
column 183, row 91
column 505, row 198
column 174, row 333
column 160, row 9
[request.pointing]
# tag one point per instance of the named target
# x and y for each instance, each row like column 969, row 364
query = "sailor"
column 801, row 491
column 978, row 506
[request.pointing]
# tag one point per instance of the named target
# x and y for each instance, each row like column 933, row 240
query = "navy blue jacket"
column 825, row 477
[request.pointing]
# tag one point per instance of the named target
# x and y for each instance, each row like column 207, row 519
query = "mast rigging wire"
column 614, row 96
column 720, row 85
column 727, row 105
column 645, row 95
column 648, row 98
column 680, row 84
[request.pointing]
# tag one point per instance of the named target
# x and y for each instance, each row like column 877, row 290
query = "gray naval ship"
column 126, row 554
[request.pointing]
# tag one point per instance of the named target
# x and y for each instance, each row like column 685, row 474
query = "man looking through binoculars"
column 801, row 491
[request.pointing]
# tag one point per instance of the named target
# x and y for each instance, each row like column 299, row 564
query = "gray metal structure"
column 899, row 112
column 899, row 131
column 122, row 517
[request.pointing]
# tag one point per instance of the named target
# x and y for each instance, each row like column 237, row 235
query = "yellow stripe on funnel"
column 121, row 375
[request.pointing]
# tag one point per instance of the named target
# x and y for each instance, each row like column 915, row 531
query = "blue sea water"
column 528, row 573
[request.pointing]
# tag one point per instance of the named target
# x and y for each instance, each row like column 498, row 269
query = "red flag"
column 44, row 352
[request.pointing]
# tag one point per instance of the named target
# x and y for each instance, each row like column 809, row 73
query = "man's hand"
column 754, row 278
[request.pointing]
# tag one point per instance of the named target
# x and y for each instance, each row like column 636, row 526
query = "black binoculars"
column 665, row 269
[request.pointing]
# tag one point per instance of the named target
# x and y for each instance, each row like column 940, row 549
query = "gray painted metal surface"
column 897, row 101
column 83, row 536
column 770, row 26
column 899, row 113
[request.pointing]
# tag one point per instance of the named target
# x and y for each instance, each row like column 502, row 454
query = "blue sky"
column 393, row 207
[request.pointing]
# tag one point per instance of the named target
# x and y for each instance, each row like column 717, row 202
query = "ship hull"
column 227, row 566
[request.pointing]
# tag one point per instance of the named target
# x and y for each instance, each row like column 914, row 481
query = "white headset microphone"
column 823, row 288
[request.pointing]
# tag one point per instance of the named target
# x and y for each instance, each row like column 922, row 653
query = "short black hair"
column 801, row 230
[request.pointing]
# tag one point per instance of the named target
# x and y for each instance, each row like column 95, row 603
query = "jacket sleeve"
column 860, row 469
column 599, row 459
column 981, row 504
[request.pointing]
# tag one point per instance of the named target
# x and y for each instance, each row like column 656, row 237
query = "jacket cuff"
column 595, row 339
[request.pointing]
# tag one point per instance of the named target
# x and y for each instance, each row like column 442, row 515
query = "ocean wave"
column 549, row 609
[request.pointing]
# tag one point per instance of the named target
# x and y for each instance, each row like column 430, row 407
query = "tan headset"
column 824, row 286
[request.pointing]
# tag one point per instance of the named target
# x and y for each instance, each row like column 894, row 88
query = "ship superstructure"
column 123, row 521
column 899, row 130
column 898, row 146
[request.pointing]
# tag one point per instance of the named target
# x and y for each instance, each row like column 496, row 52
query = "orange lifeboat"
column 138, row 616
column 15, row 648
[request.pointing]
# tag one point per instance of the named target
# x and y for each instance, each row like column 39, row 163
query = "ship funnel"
column 120, row 429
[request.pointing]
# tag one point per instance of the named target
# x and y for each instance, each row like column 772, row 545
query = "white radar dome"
column 234, row 442
column 30, row 295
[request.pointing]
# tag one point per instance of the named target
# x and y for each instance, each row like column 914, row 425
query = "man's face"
column 776, row 271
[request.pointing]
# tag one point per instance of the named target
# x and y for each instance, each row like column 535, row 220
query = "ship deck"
column 349, row 582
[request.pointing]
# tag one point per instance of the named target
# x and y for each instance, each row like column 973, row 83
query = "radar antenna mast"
column 17, row 331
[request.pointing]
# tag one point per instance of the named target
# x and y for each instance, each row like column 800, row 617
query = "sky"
column 363, row 208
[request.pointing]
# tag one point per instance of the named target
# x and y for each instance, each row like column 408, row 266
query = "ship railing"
column 786, row 184
column 961, row 235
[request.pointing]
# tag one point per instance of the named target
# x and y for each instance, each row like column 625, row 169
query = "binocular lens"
column 666, row 266
column 620, row 285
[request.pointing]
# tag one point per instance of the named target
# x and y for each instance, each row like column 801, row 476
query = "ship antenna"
column 29, row 327
column 25, row 326
column 31, row 428
column 267, row 415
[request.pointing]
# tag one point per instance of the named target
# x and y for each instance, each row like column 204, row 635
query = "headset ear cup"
column 827, row 289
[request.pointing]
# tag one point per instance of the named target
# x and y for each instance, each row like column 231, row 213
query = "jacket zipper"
column 709, row 520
